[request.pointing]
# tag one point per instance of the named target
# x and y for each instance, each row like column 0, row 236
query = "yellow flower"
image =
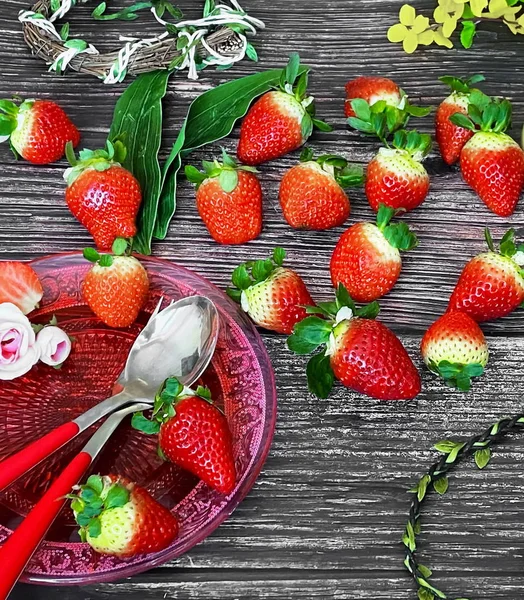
column 441, row 39
column 516, row 26
column 500, row 8
column 447, row 14
column 477, row 6
column 412, row 30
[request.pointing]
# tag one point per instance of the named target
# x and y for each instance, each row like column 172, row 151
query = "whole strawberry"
column 192, row 433
column 357, row 350
column 491, row 285
column 119, row 518
column 280, row 121
column 455, row 348
column 452, row 138
column 19, row 285
column 117, row 287
column 396, row 176
column 229, row 200
column 103, row 195
column 312, row 194
column 38, row 130
column 366, row 260
column 271, row 294
column 492, row 163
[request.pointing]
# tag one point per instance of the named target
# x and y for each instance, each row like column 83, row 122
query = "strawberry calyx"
column 345, row 174
column 169, row 395
column 463, row 86
column 485, row 114
column 399, row 235
column 417, row 145
column 382, row 119
column 9, row 113
column 121, row 247
column 226, row 172
column 507, row 247
column 320, row 331
column 112, row 155
column 457, row 375
column 98, row 495
column 253, row 273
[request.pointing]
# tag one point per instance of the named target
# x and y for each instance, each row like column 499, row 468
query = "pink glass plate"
column 240, row 377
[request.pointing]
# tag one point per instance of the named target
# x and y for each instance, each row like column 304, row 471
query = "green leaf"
column 306, row 127
column 7, row 126
column 320, row 375
column 453, row 455
column 292, row 68
column 96, row 483
column 446, row 446
column 211, row 117
column 228, row 180
column 424, row 571
column 422, row 487
column 64, row 31
column 482, row 458
column 203, row 392
column 301, row 346
column 441, row 485
column 361, row 109
column 462, row 120
column 251, row 52
column 140, row 423
column 425, row 594
column 173, row 387
column 313, row 330
column 94, row 528
column 344, row 299
column 99, row 10
column 119, row 247
column 279, row 255
column 137, row 121
column 467, row 35
column 117, row 496
column 241, row 278
column 489, row 239
column 369, row 311
column 321, row 125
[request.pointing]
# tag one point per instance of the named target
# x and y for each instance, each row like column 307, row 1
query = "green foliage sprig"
column 453, row 452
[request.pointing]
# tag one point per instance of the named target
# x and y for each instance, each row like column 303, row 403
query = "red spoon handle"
column 21, row 462
column 20, row 546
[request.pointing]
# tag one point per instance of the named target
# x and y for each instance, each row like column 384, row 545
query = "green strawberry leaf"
column 306, row 127
column 228, row 180
column 140, row 423
column 203, row 392
column 106, row 260
column 173, row 387
column 235, row 294
column 94, row 527
column 241, row 278
column 279, row 255
column 91, row 255
column 321, row 125
column 400, row 236
column 291, row 71
column 344, row 299
column 462, row 120
column 361, row 109
column 360, row 125
column 384, row 216
column 262, row 269
column 301, row 346
column 320, row 375
column 117, row 496
column 369, row 311
column 313, row 330
column 489, row 239
column 96, row 483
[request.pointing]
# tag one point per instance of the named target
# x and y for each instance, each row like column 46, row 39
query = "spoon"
column 178, row 341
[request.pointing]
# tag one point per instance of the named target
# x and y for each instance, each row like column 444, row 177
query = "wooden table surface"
column 325, row 518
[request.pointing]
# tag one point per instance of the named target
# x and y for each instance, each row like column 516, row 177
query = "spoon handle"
column 18, row 464
column 22, row 543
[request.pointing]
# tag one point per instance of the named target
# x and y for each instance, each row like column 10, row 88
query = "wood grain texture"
column 325, row 518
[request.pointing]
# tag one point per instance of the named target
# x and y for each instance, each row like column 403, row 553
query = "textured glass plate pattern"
column 240, row 377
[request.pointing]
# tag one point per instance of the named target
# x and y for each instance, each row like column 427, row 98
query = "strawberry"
column 103, row 195
column 312, row 195
column 373, row 90
column 119, row 518
column 229, row 200
column 377, row 106
column 19, row 285
column 272, row 295
column 450, row 137
column 492, row 284
column 117, row 287
column 192, row 433
column 281, row 120
column 38, row 130
column 367, row 259
column 492, row 163
column 396, row 176
column 362, row 353
column 455, row 348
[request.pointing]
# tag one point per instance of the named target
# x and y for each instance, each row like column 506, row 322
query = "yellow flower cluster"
column 414, row 29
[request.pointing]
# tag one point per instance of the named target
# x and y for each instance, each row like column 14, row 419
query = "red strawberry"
column 103, row 195
column 193, row 433
column 119, row 518
column 491, row 162
column 229, row 200
column 396, row 177
column 373, row 90
column 281, row 121
column 38, row 130
column 272, row 295
column 491, row 285
column 450, row 137
column 366, row 260
column 359, row 351
column 455, row 348
column 116, row 288
column 20, row 286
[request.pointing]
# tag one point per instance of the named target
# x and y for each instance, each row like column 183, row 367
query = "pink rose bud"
column 54, row 345
column 18, row 349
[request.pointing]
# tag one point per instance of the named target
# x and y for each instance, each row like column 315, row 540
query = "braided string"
column 454, row 452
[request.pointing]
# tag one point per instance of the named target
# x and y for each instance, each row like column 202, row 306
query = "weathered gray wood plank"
column 325, row 517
